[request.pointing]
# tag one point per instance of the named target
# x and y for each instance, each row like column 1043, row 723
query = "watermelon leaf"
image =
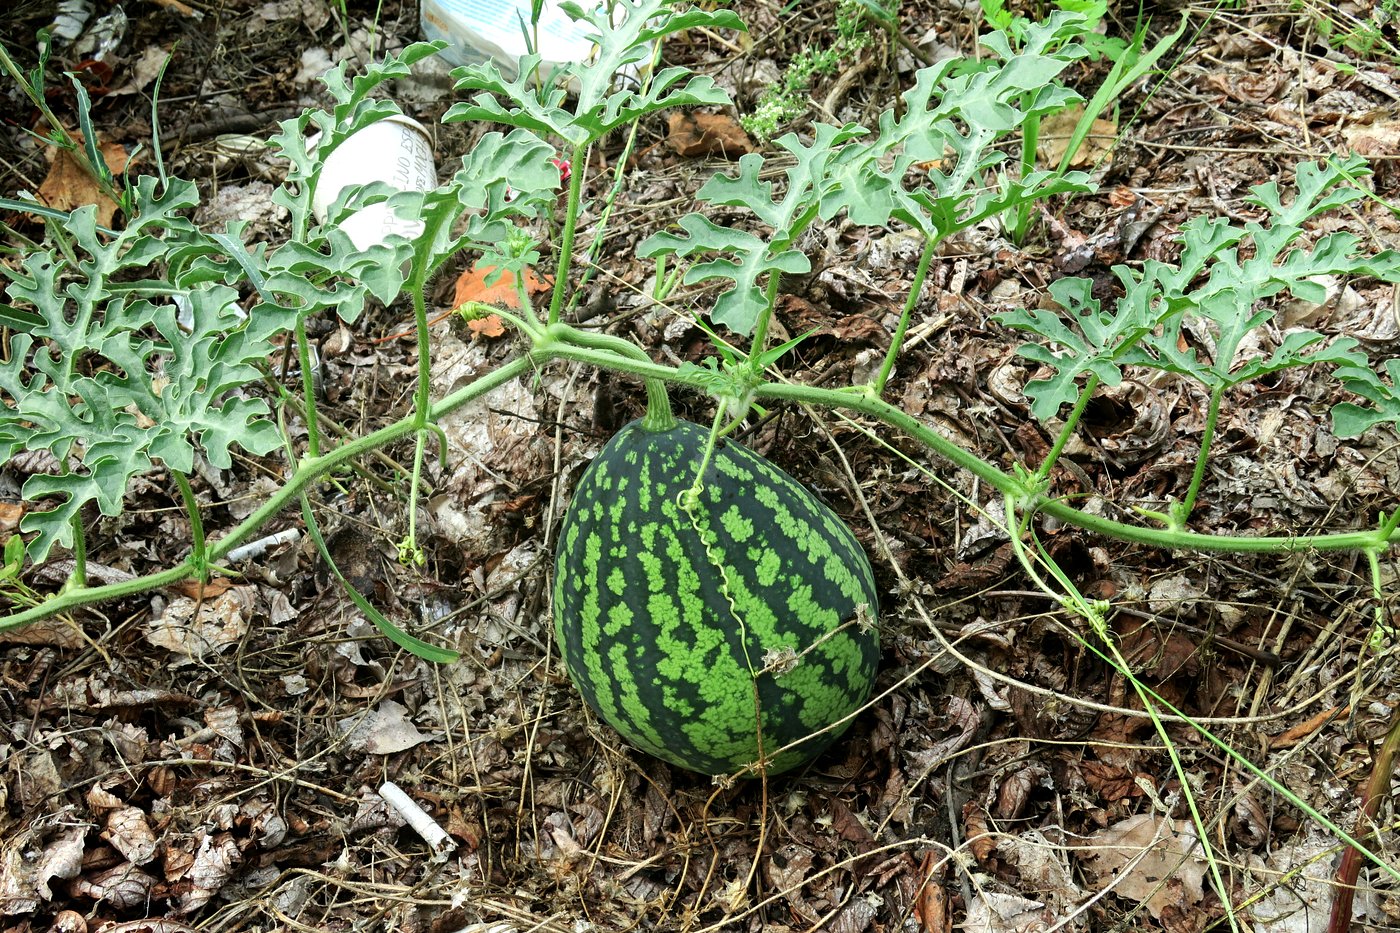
column 1352, row 420
column 1213, row 292
column 744, row 258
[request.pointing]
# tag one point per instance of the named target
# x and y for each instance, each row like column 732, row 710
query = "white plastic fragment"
column 104, row 36
column 395, row 150
column 418, row 820
column 255, row 549
column 478, row 30
column 70, row 19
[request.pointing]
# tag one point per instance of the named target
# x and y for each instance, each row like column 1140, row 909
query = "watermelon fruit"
column 680, row 617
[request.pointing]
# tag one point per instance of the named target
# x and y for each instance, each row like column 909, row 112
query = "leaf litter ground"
column 211, row 760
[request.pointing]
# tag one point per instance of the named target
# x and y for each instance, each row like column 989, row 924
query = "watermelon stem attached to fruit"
column 659, row 417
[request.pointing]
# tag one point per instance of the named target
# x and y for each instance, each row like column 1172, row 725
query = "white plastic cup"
column 490, row 30
column 478, row 30
column 396, row 150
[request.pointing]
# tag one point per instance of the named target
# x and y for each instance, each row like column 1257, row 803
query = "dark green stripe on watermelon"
column 664, row 614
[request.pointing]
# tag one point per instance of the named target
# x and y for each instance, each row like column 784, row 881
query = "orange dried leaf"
column 216, row 586
column 978, row 832
column 1297, row 733
column 931, row 903
column 489, row 326
column 10, row 514
column 471, row 286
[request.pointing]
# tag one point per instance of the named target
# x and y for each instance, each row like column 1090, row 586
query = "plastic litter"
column 482, row 30
column 397, row 151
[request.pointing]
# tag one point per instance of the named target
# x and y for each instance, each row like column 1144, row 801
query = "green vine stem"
column 308, row 390
column 78, row 578
column 1021, row 213
column 1093, row 612
column 760, row 331
column 1181, row 511
column 690, row 498
column 60, row 134
column 199, row 553
column 1383, row 630
column 916, row 288
column 307, row 472
column 578, row 167
column 659, row 416
column 1002, row 481
column 422, row 395
column 619, row 181
column 1067, row 431
column 409, row 552
column 561, row 342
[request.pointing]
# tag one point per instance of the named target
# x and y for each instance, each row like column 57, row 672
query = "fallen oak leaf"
column 68, row 186
column 700, row 135
column 1149, row 859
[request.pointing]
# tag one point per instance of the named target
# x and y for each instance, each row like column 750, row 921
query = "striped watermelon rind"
column 670, row 611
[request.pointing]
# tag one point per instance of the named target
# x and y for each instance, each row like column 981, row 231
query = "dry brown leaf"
column 124, row 886
column 471, row 286
column 68, row 187
column 1111, row 781
column 130, row 834
column 931, row 904
column 194, row 628
column 213, row 865
column 1295, row 734
column 1378, row 138
column 700, row 135
column 1149, row 859
column 1095, row 151
column 145, row 69
column 58, row 633
column 1016, row 790
column 1042, row 867
column 10, row 514
column 62, row 858
column 216, row 586
column 101, row 800
column 386, row 731
column 68, row 921
column 995, row 912
column 978, row 833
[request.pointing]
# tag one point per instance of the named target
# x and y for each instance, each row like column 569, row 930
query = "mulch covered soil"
column 213, row 760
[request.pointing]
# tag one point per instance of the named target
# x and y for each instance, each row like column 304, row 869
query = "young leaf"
column 1352, row 420
column 738, row 307
column 809, row 178
column 1093, row 345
